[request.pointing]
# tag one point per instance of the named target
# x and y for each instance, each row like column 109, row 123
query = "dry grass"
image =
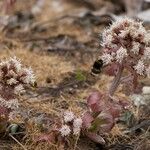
column 55, row 67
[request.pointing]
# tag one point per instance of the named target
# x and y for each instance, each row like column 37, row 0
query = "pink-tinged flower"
column 146, row 38
column 12, row 115
column 3, row 102
column 29, row 76
column 126, row 42
column 12, row 104
column 135, row 47
column 76, row 131
column 12, row 81
column 77, row 124
column 140, row 67
column 68, row 116
column 106, row 58
column 19, row 89
column 147, row 53
column 121, row 54
column 16, row 63
column 12, row 73
column 65, row 130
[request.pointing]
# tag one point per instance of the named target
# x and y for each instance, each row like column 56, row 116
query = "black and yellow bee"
column 97, row 67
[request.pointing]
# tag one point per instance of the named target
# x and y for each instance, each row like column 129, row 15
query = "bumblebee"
column 97, row 67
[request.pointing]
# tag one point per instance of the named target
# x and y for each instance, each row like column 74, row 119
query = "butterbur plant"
column 13, row 80
column 126, row 47
column 102, row 114
column 126, row 56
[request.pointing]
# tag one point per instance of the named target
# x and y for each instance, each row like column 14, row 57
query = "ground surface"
column 61, row 43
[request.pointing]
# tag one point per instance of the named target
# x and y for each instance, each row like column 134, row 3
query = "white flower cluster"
column 37, row 8
column 13, row 75
column 74, row 124
column 13, row 115
column 68, row 116
column 77, row 124
column 127, row 41
column 65, row 130
column 13, row 103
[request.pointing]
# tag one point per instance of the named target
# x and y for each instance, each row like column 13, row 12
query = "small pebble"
column 146, row 90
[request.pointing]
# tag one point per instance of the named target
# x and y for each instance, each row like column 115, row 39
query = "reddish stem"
column 116, row 81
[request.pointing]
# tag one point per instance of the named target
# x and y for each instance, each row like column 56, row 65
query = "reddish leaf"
column 105, row 112
column 87, row 120
column 108, row 121
column 115, row 110
column 93, row 101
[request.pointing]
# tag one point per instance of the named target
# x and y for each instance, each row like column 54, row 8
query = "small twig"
column 88, row 50
column 145, row 123
column 76, row 142
column 36, row 39
column 17, row 141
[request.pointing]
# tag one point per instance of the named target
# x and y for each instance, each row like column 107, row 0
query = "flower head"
column 140, row 67
column 65, row 130
column 121, row 54
column 147, row 53
column 68, row 116
column 16, row 63
column 77, row 124
column 19, row 89
column 14, row 76
column 12, row 104
column 127, row 42
column 106, row 58
column 135, row 47
column 12, row 81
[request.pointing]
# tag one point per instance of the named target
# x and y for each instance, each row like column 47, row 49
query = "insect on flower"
column 97, row 66
column 128, row 44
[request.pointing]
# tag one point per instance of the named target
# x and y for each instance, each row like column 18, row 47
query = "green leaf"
column 128, row 118
column 80, row 76
column 96, row 124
